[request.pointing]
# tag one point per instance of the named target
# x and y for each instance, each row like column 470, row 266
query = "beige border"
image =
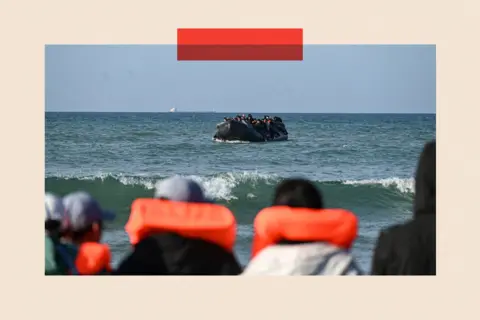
column 26, row 28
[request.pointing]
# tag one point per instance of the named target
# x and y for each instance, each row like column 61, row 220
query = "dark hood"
column 171, row 254
column 425, row 181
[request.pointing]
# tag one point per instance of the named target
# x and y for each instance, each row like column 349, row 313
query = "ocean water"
column 361, row 162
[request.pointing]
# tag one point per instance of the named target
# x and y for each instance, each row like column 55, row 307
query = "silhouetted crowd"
column 250, row 119
column 180, row 232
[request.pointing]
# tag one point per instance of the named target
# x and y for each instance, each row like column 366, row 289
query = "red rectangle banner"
column 240, row 44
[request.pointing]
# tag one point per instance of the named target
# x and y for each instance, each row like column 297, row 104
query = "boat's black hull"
column 237, row 131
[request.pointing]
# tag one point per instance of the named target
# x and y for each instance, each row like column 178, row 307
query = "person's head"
column 298, row 193
column 250, row 115
column 54, row 214
column 425, row 181
column 84, row 218
column 180, row 189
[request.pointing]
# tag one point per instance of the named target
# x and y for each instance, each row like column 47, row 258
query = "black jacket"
column 172, row 254
column 410, row 248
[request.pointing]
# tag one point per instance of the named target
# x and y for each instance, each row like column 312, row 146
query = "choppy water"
column 364, row 163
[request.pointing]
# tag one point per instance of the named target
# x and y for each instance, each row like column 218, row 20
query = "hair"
column 425, row 180
column 298, row 193
column 78, row 235
column 53, row 228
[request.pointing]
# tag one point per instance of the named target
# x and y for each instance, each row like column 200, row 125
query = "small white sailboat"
column 173, row 110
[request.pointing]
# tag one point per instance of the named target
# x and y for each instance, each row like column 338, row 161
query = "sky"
column 331, row 78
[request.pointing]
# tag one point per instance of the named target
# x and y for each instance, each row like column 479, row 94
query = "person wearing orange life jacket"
column 80, row 249
column 298, row 236
column 180, row 232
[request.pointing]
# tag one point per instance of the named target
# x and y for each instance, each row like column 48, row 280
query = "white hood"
column 302, row 259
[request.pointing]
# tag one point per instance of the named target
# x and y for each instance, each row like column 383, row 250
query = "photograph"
column 240, row 156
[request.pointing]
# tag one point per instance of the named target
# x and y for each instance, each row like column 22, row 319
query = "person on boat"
column 410, row 248
column 258, row 126
column 299, row 236
column 268, row 127
column 180, row 232
column 279, row 125
column 79, row 251
column 267, row 134
column 250, row 118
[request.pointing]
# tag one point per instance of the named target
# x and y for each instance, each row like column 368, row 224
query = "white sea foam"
column 402, row 185
column 221, row 186
column 230, row 141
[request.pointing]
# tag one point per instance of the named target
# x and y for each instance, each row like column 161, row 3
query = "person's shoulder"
column 70, row 247
column 418, row 224
column 52, row 265
column 49, row 245
column 393, row 230
column 406, row 248
column 388, row 237
column 405, row 236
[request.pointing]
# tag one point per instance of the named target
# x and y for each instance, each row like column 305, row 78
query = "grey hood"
column 302, row 259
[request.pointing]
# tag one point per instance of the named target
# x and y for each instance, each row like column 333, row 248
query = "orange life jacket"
column 89, row 258
column 93, row 258
column 210, row 222
column 335, row 226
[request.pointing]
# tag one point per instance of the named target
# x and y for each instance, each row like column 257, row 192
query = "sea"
column 361, row 162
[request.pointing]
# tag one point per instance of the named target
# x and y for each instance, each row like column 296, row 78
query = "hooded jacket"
column 410, row 248
column 314, row 259
column 171, row 254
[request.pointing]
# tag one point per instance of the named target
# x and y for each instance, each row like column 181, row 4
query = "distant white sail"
column 173, row 110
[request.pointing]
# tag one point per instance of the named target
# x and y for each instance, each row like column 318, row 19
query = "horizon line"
column 236, row 112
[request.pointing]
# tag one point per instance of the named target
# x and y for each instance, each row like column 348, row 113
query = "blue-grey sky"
column 332, row 78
